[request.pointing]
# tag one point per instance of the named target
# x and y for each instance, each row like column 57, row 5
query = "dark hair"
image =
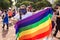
column 55, row 7
column 54, row 10
column 5, row 11
column 58, row 4
column 14, row 10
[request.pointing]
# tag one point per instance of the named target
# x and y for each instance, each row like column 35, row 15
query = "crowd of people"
column 11, row 16
column 24, row 12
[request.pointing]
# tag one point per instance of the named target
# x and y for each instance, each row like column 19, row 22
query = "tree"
column 24, row 3
column 57, row 1
column 4, row 4
column 37, row 4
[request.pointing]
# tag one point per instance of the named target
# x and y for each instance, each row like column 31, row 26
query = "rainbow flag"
column 36, row 26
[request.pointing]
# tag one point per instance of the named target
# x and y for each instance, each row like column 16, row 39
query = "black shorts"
column 58, row 24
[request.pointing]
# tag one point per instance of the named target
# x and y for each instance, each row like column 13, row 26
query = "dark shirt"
column 58, row 19
column 22, row 11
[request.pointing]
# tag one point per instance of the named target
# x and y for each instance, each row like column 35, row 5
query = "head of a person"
column 58, row 5
column 55, row 9
column 28, row 8
column 22, row 7
column 9, row 9
column 5, row 11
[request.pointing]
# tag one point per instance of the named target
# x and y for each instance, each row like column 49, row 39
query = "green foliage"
column 37, row 4
column 24, row 3
column 57, row 1
column 4, row 4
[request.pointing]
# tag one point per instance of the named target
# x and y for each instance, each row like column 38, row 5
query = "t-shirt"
column 27, row 15
column 58, row 15
column 23, row 11
column 5, row 19
column 10, row 13
column 58, row 19
column 17, row 16
column 14, row 13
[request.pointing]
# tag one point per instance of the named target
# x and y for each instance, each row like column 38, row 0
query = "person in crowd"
column 22, row 10
column 25, row 14
column 0, row 12
column 5, row 20
column 29, row 13
column 10, row 13
column 57, row 19
column 53, row 23
column 31, row 8
column 14, row 12
column 17, row 16
column 54, row 18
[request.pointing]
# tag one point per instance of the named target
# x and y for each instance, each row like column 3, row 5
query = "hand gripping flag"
column 36, row 26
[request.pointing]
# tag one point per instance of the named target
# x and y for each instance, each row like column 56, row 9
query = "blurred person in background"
column 57, row 20
column 5, row 19
column 22, row 10
column 17, row 16
column 28, row 13
column 10, row 13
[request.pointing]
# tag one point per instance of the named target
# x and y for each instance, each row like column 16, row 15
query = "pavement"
column 7, row 34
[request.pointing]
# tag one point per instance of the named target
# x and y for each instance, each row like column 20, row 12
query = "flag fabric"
column 36, row 26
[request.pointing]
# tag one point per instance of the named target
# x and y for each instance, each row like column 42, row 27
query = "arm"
column 58, row 16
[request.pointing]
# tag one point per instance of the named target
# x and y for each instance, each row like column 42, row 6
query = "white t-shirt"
column 17, row 16
column 27, row 15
